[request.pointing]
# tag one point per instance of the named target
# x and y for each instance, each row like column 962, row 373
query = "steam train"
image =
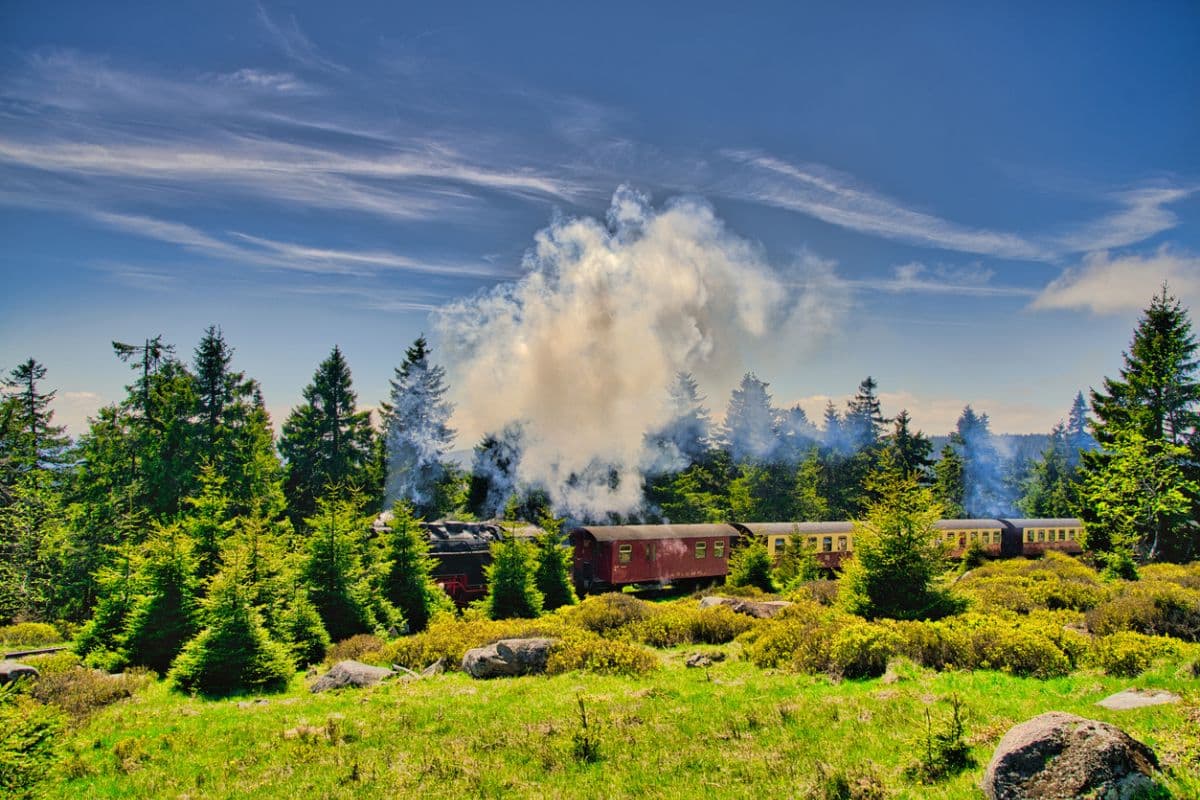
column 608, row 557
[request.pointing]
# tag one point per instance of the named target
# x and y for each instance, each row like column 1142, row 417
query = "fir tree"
column 512, row 590
column 910, row 450
column 552, row 574
column 326, row 441
column 833, row 430
column 797, row 436
column 494, row 472
column 798, row 562
column 1050, row 490
column 1076, row 435
column 417, row 429
column 685, row 438
column 207, row 522
column 948, row 487
column 984, row 494
column 808, row 503
column 33, row 442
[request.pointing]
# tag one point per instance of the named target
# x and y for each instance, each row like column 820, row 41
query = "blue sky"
column 974, row 203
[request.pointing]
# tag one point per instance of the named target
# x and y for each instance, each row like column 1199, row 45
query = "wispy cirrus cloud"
column 293, row 42
column 917, row 278
column 835, row 198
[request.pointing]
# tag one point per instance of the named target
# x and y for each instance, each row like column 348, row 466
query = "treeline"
column 181, row 489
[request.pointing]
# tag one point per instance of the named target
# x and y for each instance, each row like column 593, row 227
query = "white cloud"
column 294, row 43
column 284, row 82
column 1104, row 284
column 1141, row 216
column 914, row 277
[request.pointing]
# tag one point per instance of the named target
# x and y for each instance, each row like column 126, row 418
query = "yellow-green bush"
column 607, row 613
column 1052, row 582
column 30, row 736
column 53, row 663
column 824, row 592
column 361, row 647
column 1129, row 654
column 1185, row 575
column 1006, row 592
column 28, row 634
column 1152, row 607
column 976, row 641
column 862, row 650
column 448, row 639
column 684, row 622
column 590, row 652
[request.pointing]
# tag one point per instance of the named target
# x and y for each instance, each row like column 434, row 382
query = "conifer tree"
column 798, row 562
column 326, row 441
column 984, row 493
column 233, row 653
column 408, row 584
column 1052, row 485
column 948, row 487
column 864, row 421
column 1078, row 439
column 512, row 590
column 333, row 571
column 165, row 616
column 750, row 565
column 898, row 553
column 207, row 522
column 749, row 431
column 552, row 575
column 494, row 472
column 33, row 442
column 684, row 439
column 417, row 429
column 299, row 626
column 809, row 504
column 910, row 450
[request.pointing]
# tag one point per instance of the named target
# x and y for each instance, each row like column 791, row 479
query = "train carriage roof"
column 628, row 533
column 787, row 528
column 967, row 524
column 1046, row 522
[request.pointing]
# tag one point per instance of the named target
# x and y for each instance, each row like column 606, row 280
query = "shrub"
column 824, row 592
column 512, row 591
column 408, row 584
column 607, row 613
column 80, row 691
column 164, row 618
column 356, row 648
column 1129, row 654
column 553, row 573
column 943, row 753
column 862, row 650
column 799, row 638
column 588, row 652
column 685, row 623
column 1152, row 607
column 448, row 639
column 28, row 634
column 1184, row 575
column 974, row 641
column 29, row 740
column 53, row 663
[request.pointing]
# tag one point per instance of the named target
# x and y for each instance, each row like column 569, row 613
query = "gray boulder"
column 1057, row 755
column 761, row 609
column 1138, row 698
column 11, row 670
column 350, row 673
column 508, row 657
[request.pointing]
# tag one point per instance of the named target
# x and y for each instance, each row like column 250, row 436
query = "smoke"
column 987, row 468
column 583, row 350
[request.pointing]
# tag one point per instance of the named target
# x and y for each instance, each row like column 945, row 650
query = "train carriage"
column 1036, row 536
column 833, row 542
column 612, row 556
column 990, row 534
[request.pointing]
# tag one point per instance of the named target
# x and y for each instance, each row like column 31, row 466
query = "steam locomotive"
column 608, row 557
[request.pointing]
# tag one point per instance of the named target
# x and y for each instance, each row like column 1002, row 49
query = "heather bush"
column 588, row 652
column 824, row 592
column 80, row 691
column 607, row 613
column 362, row 647
column 861, row 650
column 448, row 639
column 1152, row 607
column 1129, row 654
column 974, row 641
column 1185, row 575
column 684, row 622
column 28, row 634
column 53, row 663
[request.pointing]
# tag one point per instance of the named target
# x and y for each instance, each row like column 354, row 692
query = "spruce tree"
column 512, row 590
column 552, row 575
column 1052, row 485
column 864, row 422
column 326, row 441
column 684, row 439
column 408, row 584
column 417, row 429
column 233, row 653
column 984, row 493
column 798, row 562
column 948, row 488
column 910, row 450
column 208, row 522
column 332, row 569
column 1077, row 437
column 749, row 432
column 33, row 441
column 165, row 616
column 750, row 565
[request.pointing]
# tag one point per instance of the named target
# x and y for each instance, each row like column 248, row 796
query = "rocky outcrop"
column 350, row 673
column 761, row 609
column 1057, row 755
column 508, row 657
column 1137, row 698
column 12, row 670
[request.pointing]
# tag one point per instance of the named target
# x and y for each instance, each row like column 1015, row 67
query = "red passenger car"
column 611, row 556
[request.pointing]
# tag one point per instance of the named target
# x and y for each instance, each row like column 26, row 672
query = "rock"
column 1137, row 698
column 436, row 668
column 351, row 673
column 704, row 659
column 11, row 670
column 761, row 609
column 508, row 657
column 1057, row 755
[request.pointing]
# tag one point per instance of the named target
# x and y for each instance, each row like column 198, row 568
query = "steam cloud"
column 582, row 351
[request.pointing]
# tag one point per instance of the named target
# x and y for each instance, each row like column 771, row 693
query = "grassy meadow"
column 814, row 703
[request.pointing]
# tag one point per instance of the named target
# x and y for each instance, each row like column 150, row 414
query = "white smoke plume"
column 584, row 348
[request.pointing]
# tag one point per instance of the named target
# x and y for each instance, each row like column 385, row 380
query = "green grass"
column 730, row 731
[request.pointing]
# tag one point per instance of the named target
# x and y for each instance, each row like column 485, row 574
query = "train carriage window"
column 719, row 549
column 778, row 546
column 1041, row 534
column 624, row 553
column 1029, row 536
column 827, row 544
column 650, row 551
column 812, row 542
column 1062, row 534
column 701, row 549
column 842, row 543
column 950, row 535
column 974, row 536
